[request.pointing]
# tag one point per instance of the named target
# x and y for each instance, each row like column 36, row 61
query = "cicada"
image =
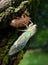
column 21, row 42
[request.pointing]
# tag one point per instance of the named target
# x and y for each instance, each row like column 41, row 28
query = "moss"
column 6, row 47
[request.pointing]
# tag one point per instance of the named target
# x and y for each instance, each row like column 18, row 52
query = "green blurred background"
column 38, row 52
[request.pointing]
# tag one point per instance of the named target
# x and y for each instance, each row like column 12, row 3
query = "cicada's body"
column 21, row 42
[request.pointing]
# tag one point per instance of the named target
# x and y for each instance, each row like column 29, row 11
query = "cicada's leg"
column 23, row 30
column 31, row 23
column 26, row 28
column 26, row 25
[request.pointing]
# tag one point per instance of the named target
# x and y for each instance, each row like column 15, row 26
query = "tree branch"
column 4, row 4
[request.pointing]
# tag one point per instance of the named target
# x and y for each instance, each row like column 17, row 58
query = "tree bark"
column 4, row 4
column 10, row 10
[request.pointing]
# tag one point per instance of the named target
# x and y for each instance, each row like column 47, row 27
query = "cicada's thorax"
column 28, row 33
column 31, row 30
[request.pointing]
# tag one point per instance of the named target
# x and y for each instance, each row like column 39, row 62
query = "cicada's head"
column 32, row 29
column 32, row 26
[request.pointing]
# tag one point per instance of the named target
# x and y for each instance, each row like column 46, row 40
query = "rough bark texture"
column 4, row 4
